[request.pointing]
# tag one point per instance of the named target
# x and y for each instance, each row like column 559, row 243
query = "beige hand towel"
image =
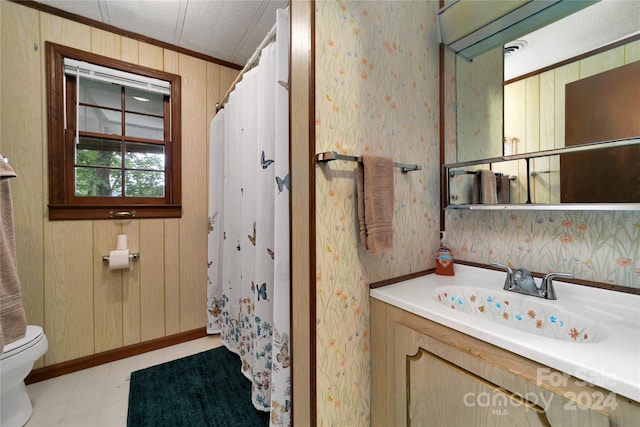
column 484, row 188
column 13, row 321
column 503, row 187
column 375, row 203
column 360, row 196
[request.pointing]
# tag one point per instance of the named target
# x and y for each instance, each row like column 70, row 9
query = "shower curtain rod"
column 250, row 63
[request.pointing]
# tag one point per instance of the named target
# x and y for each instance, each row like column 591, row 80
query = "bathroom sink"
column 521, row 312
column 550, row 332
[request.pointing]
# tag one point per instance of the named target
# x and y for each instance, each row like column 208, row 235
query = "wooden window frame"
column 63, row 204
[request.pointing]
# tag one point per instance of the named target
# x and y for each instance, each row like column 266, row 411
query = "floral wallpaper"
column 376, row 93
column 593, row 245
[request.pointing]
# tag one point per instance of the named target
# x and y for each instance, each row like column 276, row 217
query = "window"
column 114, row 138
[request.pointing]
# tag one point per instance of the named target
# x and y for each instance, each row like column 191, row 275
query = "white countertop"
column 612, row 363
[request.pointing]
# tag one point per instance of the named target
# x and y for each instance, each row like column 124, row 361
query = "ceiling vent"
column 514, row 47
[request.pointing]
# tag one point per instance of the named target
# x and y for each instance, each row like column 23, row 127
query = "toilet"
column 16, row 362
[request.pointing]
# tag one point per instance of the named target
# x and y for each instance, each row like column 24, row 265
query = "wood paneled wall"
column 83, row 306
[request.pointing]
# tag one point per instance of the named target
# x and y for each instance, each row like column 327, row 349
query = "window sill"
column 94, row 212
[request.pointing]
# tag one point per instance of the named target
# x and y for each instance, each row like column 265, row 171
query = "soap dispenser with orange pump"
column 444, row 258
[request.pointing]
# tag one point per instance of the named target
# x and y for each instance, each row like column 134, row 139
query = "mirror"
column 534, row 103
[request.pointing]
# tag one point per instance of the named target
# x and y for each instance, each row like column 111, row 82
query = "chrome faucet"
column 508, row 282
column 521, row 281
column 546, row 288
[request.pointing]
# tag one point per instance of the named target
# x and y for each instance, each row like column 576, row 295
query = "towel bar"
column 332, row 155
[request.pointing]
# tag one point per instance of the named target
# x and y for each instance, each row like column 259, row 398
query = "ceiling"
column 228, row 30
column 231, row 30
column 598, row 25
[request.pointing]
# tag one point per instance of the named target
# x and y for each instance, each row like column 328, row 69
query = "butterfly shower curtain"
column 248, row 276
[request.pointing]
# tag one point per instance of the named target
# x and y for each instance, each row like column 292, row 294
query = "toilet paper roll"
column 119, row 259
column 122, row 242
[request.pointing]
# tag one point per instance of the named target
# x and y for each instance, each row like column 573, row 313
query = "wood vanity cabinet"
column 425, row 374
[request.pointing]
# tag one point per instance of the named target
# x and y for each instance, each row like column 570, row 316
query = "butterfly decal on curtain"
column 253, row 238
column 216, row 310
column 271, row 253
column 283, row 356
column 262, row 291
column 282, row 183
column 265, row 162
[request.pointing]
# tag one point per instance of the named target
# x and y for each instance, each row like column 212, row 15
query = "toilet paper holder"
column 135, row 255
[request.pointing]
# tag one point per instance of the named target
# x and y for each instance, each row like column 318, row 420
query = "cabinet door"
column 432, row 391
column 442, row 394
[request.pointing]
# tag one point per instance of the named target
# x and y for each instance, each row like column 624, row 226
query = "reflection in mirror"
column 470, row 185
column 535, row 108
column 548, row 178
column 479, row 106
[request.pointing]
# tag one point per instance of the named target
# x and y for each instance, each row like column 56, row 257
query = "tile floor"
column 99, row 396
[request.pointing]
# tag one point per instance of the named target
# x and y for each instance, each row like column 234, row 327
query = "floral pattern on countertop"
column 377, row 91
column 532, row 318
column 600, row 246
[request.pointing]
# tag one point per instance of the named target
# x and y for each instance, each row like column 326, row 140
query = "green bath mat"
column 206, row 389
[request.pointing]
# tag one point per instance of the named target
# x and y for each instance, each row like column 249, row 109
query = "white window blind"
column 104, row 74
